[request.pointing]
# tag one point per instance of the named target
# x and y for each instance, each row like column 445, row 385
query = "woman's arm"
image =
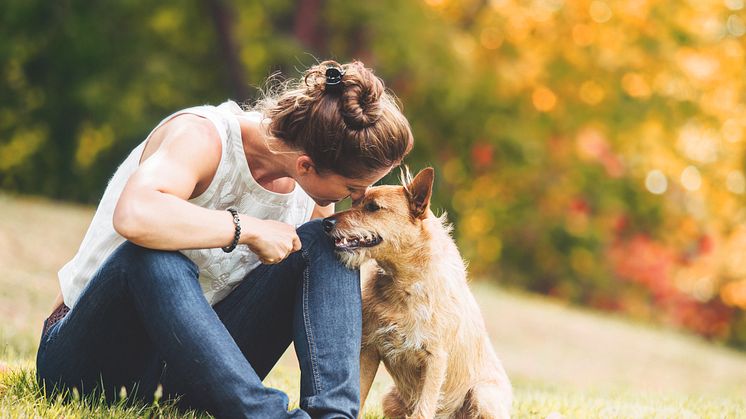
column 153, row 210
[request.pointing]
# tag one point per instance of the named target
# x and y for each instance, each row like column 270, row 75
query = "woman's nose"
column 357, row 196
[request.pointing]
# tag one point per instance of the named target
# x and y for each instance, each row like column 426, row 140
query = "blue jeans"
column 143, row 320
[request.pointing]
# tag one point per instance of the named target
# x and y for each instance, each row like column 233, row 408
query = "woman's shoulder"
column 188, row 131
column 194, row 124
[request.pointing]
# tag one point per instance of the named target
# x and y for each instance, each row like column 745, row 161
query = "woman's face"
column 327, row 188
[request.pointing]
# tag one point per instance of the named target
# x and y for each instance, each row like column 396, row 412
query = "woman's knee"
column 312, row 232
column 321, row 257
column 314, row 240
column 152, row 263
column 316, row 244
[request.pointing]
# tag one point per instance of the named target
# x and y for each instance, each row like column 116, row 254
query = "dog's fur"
column 419, row 317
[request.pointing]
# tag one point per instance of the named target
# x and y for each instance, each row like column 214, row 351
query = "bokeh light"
column 691, row 178
column 656, row 182
column 736, row 182
column 544, row 99
column 600, row 11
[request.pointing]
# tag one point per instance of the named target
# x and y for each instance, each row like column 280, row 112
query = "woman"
column 193, row 275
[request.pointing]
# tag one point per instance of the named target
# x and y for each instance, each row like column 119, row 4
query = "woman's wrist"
column 248, row 229
column 236, row 232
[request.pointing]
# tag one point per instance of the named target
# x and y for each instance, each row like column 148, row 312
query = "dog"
column 419, row 317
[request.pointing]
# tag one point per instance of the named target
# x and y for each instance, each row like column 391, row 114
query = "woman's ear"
column 304, row 165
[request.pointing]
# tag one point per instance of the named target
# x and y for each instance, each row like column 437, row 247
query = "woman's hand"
column 271, row 240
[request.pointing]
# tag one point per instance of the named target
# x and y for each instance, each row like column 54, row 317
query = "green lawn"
column 564, row 361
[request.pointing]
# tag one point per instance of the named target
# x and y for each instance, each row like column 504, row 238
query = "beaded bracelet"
column 237, row 235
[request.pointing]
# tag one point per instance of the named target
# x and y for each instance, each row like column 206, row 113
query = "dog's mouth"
column 355, row 242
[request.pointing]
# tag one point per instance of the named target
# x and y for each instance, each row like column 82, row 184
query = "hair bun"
column 361, row 98
column 342, row 117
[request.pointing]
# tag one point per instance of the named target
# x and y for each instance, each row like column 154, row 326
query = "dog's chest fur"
column 401, row 332
column 409, row 315
column 412, row 321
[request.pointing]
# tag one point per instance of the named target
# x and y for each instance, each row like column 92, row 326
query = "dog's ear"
column 419, row 192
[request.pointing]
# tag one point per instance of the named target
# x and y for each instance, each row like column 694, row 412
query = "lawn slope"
column 563, row 361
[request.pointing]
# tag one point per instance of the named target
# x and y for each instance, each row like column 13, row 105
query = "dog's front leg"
column 432, row 381
column 369, row 362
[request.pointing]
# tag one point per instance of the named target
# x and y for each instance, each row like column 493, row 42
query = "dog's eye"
column 372, row 206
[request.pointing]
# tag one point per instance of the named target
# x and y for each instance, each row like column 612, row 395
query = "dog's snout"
column 329, row 224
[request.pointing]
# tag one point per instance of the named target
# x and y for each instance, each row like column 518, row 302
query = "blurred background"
column 588, row 150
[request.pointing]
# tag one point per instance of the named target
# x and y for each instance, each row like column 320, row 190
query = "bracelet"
column 237, row 235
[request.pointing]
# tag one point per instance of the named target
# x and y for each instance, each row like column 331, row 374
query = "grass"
column 21, row 397
column 564, row 361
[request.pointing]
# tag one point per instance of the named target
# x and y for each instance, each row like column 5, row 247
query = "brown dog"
column 419, row 316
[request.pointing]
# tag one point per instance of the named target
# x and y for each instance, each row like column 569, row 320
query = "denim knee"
column 154, row 264
column 315, row 242
column 311, row 232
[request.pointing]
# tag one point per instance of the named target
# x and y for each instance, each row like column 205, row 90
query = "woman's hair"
column 350, row 129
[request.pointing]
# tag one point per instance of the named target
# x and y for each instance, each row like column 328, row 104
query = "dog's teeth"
column 365, row 239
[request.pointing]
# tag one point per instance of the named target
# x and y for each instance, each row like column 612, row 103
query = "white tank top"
column 232, row 186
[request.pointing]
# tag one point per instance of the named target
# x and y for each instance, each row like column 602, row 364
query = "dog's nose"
column 329, row 224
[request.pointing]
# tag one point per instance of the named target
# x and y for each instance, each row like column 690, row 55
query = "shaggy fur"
column 419, row 317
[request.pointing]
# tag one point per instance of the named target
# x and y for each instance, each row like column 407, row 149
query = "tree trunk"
column 221, row 14
column 307, row 28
